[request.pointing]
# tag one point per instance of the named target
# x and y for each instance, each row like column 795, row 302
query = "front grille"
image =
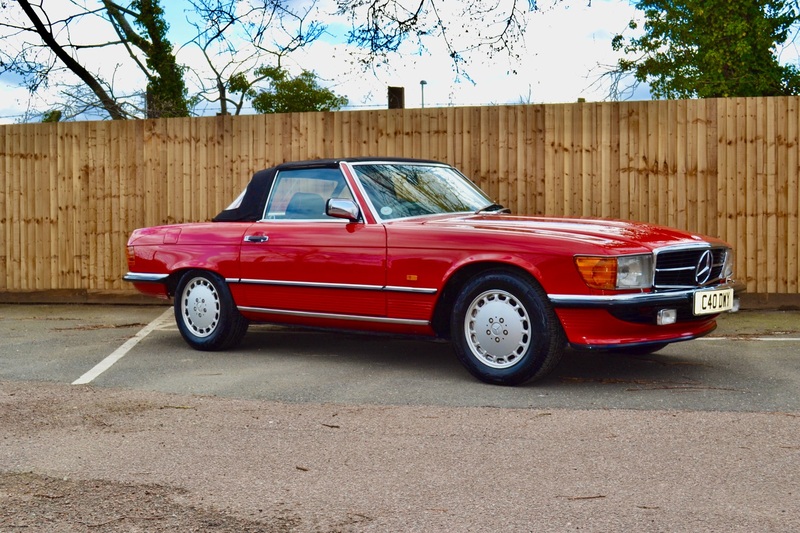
column 685, row 268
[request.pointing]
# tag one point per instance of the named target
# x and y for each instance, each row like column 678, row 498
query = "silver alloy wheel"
column 497, row 329
column 200, row 307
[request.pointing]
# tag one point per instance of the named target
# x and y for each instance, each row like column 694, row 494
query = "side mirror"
column 342, row 208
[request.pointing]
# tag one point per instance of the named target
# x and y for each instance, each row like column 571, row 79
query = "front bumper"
column 138, row 277
column 608, row 321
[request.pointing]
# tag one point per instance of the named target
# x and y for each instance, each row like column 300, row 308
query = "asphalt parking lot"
column 750, row 363
column 104, row 407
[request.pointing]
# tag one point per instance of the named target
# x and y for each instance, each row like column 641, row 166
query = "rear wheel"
column 206, row 314
column 504, row 330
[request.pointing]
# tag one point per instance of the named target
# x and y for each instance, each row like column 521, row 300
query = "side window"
column 302, row 194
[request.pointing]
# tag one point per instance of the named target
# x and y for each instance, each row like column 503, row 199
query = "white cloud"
column 563, row 46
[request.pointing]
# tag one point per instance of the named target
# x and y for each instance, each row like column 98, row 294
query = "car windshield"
column 398, row 190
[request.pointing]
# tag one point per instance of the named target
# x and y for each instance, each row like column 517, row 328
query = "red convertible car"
column 413, row 247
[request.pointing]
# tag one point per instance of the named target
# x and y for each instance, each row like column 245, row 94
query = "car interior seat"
column 306, row 205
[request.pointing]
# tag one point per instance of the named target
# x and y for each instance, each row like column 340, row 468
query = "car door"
column 299, row 261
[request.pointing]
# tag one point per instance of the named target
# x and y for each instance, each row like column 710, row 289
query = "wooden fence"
column 70, row 193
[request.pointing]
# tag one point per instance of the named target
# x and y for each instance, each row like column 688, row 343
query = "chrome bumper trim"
column 335, row 316
column 636, row 299
column 139, row 277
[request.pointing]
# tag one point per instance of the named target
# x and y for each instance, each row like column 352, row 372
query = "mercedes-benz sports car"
column 413, row 247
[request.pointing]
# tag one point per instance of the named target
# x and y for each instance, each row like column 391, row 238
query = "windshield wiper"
column 493, row 208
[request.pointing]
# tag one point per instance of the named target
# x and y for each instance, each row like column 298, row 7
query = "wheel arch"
column 458, row 278
column 171, row 282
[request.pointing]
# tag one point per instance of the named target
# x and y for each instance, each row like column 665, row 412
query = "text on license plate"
column 710, row 302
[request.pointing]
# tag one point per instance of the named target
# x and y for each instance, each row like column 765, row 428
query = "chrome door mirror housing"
column 342, row 208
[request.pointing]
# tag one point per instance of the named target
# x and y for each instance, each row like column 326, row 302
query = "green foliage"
column 712, row 48
column 293, row 95
column 54, row 115
column 166, row 90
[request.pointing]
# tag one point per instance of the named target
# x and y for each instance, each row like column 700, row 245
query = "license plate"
column 710, row 302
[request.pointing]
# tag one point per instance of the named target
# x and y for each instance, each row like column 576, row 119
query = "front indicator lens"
column 598, row 272
column 613, row 273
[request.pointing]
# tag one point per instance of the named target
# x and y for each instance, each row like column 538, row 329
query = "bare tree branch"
column 45, row 33
column 273, row 29
column 381, row 27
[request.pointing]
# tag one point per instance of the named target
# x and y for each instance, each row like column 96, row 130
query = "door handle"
column 256, row 238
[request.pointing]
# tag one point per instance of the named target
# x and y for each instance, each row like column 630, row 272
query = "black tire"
column 205, row 313
column 639, row 351
column 504, row 330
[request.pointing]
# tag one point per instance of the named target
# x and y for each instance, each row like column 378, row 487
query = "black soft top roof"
column 251, row 207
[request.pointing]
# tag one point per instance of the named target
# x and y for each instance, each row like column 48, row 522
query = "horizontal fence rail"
column 72, row 192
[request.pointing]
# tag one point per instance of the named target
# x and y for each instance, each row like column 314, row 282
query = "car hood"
column 619, row 235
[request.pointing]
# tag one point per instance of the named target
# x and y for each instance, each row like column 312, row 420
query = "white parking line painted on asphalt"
column 120, row 352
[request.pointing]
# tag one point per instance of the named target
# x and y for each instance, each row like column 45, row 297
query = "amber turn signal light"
column 598, row 272
column 131, row 253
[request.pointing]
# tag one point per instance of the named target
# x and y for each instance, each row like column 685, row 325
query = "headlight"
column 610, row 273
column 634, row 271
column 727, row 267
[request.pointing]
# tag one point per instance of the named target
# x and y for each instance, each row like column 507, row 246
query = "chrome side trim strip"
column 335, row 316
column 138, row 276
column 310, row 284
column 318, row 285
column 391, row 288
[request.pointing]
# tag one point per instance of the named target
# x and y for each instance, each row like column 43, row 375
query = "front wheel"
column 504, row 330
column 206, row 314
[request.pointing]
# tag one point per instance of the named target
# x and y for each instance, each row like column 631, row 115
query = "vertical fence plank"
column 27, row 184
column 40, row 168
column 5, row 218
column 792, row 197
column 625, row 155
column 15, row 178
column 550, row 119
column 589, row 194
column 713, row 207
column 609, row 140
column 521, row 164
column 684, row 159
column 696, row 132
column 726, row 191
column 62, row 199
column 770, row 263
column 747, row 177
column 613, row 169
column 506, row 156
column 54, row 205
column 564, row 157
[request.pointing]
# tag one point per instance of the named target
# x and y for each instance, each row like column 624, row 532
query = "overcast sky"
column 566, row 49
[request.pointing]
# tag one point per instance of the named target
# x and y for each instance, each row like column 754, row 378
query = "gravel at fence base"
column 88, row 459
